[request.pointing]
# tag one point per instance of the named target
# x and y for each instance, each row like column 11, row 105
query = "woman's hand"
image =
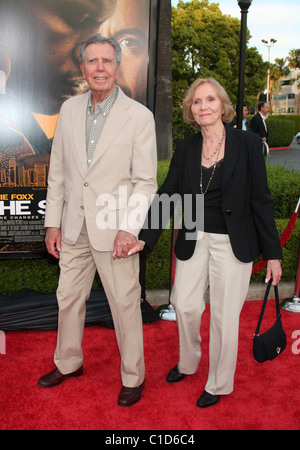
column 137, row 248
column 274, row 271
column 124, row 241
column 126, row 245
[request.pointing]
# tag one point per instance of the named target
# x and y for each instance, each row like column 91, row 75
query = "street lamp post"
column 269, row 45
column 244, row 5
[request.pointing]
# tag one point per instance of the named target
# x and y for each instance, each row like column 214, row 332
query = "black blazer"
column 257, row 126
column 247, row 204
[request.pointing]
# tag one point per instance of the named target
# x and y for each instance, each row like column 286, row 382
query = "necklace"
column 214, row 167
column 217, row 149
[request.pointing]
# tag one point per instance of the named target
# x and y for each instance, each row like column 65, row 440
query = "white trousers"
column 120, row 280
column 213, row 264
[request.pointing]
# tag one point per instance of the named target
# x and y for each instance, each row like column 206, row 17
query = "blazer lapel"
column 79, row 121
column 116, row 120
column 232, row 148
column 194, row 152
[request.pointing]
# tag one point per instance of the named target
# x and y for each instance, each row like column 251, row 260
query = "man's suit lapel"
column 79, row 121
column 116, row 121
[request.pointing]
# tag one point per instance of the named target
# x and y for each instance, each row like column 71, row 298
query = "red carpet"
column 266, row 396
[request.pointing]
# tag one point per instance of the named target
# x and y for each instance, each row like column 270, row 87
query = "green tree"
column 278, row 71
column 207, row 43
column 163, row 105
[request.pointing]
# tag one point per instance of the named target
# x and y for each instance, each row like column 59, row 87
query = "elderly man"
column 103, row 158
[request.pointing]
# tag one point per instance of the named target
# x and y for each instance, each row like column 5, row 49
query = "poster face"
column 39, row 70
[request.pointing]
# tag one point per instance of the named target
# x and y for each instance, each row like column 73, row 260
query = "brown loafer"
column 129, row 396
column 54, row 377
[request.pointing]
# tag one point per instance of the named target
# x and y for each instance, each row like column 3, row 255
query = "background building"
column 286, row 101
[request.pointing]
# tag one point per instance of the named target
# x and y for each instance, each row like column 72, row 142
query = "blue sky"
column 277, row 19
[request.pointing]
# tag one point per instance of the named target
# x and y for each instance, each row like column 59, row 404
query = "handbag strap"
column 265, row 303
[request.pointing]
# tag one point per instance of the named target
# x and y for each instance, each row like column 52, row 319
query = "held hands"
column 273, row 271
column 126, row 245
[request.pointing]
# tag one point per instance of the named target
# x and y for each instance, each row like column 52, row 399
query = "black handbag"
column 271, row 343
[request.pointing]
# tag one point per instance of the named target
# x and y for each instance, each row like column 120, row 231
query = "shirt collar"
column 263, row 117
column 105, row 106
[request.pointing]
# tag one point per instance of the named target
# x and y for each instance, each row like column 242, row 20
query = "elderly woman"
column 226, row 166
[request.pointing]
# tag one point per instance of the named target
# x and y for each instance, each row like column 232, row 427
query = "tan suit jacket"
column 106, row 193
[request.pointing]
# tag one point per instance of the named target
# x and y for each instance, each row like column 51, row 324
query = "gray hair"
column 99, row 39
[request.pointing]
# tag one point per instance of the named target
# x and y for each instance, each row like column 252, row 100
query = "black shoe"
column 174, row 375
column 207, row 399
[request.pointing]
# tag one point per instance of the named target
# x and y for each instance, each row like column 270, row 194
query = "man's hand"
column 124, row 242
column 53, row 241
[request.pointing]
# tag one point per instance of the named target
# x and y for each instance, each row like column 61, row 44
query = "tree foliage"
column 206, row 43
column 278, row 70
column 294, row 63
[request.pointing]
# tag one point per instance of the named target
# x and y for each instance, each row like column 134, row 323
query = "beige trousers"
column 213, row 264
column 120, row 280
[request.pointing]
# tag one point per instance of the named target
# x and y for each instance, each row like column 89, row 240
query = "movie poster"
column 39, row 69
